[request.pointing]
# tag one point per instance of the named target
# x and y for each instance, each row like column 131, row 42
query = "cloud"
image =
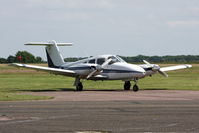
column 183, row 23
column 52, row 10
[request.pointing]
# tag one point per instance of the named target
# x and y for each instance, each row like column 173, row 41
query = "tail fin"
column 54, row 57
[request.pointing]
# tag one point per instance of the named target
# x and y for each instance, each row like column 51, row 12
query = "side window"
column 100, row 61
column 92, row 61
column 110, row 63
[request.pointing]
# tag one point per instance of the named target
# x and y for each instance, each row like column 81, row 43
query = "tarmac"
column 103, row 111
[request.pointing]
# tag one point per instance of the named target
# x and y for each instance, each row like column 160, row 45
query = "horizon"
column 101, row 54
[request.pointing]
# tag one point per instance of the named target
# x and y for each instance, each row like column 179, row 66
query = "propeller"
column 146, row 62
column 155, row 68
column 163, row 73
column 99, row 68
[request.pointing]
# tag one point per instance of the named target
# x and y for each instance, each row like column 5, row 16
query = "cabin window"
column 100, row 61
column 92, row 61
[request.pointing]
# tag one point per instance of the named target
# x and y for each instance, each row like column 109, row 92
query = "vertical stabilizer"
column 53, row 54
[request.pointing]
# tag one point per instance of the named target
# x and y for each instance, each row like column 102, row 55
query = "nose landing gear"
column 135, row 87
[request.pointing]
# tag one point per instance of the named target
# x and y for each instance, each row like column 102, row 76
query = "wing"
column 47, row 69
column 164, row 69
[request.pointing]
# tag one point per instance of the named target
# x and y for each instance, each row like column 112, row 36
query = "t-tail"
column 54, row 57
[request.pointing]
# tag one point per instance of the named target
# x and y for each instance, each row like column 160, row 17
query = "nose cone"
column 136, row 70
column 139, row 70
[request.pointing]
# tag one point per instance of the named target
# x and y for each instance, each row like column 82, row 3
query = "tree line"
column 26, row 57
column 22, row 57
column 152, row 59
column 163, row 59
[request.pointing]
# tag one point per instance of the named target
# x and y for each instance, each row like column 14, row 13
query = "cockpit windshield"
column 120, row 59
column 115, row 59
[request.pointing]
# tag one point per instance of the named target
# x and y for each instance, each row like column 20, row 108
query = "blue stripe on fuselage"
column 118, row 71
column 104, row 71
column 79, row 68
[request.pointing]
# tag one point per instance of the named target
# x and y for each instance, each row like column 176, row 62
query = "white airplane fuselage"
column 118, row 70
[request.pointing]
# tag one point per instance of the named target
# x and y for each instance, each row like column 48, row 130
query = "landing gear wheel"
column 135, row 88
column 79, row 87
column 127, row 85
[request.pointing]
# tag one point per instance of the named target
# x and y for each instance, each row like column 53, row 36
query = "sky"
column 121, row 27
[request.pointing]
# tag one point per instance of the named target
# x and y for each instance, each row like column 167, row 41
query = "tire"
column 79, row 87
column 135, row 88
column 127, row 86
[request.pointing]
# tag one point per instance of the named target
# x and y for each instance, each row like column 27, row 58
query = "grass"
column 14, row 80
column 16, row 97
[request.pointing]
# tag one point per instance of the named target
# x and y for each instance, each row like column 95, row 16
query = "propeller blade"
column 146, row 62
column 106, row 63
column 99, row 69
column 91, row 74
column 163, row 73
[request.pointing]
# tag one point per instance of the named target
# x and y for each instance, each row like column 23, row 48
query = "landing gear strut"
column 78, row 84
column 127, row 85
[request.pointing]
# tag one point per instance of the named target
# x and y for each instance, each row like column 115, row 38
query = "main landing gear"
column 79, row 87
column 78, row 84
column 127, row 86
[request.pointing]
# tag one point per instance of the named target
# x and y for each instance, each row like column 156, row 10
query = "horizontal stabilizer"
column 48, row 44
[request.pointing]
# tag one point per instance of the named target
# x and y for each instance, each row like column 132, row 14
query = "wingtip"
column 188, row 66
column 12, row 64
column 16, row 64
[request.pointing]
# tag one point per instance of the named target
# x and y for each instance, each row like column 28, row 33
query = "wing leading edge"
column 171, row 68
column 47, row 69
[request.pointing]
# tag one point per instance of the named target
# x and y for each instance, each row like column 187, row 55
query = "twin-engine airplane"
column 102, row 67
